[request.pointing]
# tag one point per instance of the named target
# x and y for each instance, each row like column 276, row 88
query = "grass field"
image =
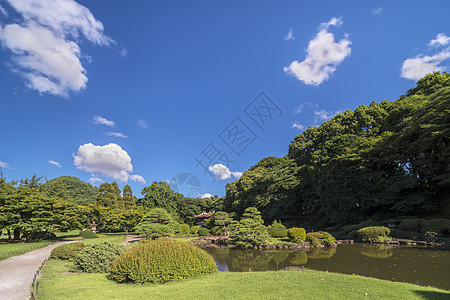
column 55, row 283
column 13, row 249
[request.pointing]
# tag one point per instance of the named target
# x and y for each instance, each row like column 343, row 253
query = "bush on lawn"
column 67, row 251
column 373, row 234
column 88, row 234
column 320, row 237
column 160, row 261
column 296, row 235
column 97, row 258
column 194, row 229
column 185, row 230
column 203, row 231
column 277, row 230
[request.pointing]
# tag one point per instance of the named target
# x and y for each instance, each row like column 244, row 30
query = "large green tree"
column 71, row 189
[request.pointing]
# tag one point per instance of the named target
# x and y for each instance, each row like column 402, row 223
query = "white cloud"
column 137, row 178
column 290, row 35
column 417, row 67
column 44, row 43
column 142, row 124
column 116, row 134
column 95, row 179
column 222, row 172
column 3, row 11
column 103, row 121
column 5, row 165
column 55, row 163
column 206, row 195
column 441, row 40
column 109, row 160
column 377, row 11
column 298, row 126
column 324, row 115
column 323, row 56
column 237, row 174
column 307, row 104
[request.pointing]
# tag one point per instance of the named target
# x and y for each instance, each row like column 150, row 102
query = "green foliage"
column 157, row 223
column 221, row 220
column 71, row 189
column 277, row 230
column 441, row 226
column 250, row 230
column 88, row 234
column 109, row 195
column 386, row 159
column 320, row 237
column 410, row 225
column 161, row 261
column 195, row 229
column 216, row 230
column 67, row 251
column 185, row 230
column 373, row 233
column 349, row 228
column 97, row 258
column 203, row 231
column 154, row 230
column 296, row 235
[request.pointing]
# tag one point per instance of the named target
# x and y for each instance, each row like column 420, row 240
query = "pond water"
column 422, row 266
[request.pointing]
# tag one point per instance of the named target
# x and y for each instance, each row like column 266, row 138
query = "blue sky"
column 140, row 91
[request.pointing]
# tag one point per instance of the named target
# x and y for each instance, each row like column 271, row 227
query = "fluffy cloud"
column 44, row 43
column 425, row 63
column 116, row 134
column 323, row 55
column 4, row 165
column 103, row 121
column 289, row 36
column 377, row 11
column 206, row 195
column 324, row 115
column 222, row 172
column 298, row 126
column 109, row 160
column 441, row 40
column 55, row 163
column 417, row 67
column 95, row 179
column 142, row 124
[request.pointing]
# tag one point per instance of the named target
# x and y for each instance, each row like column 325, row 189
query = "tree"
column 250, row 230
column 72, row 189
column 156, row 223
column 221, row 218
column 127, row 196
column 109, row 195
column 159, row 194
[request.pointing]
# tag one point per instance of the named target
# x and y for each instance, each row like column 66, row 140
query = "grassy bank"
column 19, row 248
column 56, row 284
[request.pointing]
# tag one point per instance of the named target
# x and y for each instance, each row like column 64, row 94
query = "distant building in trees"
column 200, row 219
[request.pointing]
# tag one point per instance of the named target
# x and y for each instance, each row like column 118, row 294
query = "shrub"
column 97, row 258
column 67, row 251
column 409, row 235
column 373, row 234
column 277, row 230
column 161, row 261
column 410, row 225
column 441, row 226
column 250, row 230
column 320, row 237
column 88, row 234
column 176, row 229
column 296, row 235
column 185, row 230
column 154, row 230
column 431, row 236
column 216, row 230
column 355, row 227
column 194, row 229
column 203, row 231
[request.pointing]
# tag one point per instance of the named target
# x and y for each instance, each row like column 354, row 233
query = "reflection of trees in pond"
column 247, row 261
column 298, row 258
column 279, row 257
column 221, row 255
column 377, row 251
column 321, row 252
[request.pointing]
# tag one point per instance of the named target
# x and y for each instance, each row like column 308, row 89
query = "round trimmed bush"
column 410, row 225
column 195, row 229
column 374, row 233
column 277, row 230
column 160, row 261
column 203, row 231
column 88, row 234
column 320, row 237
column 296, row 235
column 98, row 258
column 67, row 251
column 185, row 230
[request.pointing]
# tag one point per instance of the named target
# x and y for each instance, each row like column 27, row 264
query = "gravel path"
column 16, row 273
column 131, row 239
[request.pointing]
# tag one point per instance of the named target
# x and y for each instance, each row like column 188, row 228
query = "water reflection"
column 428, row 267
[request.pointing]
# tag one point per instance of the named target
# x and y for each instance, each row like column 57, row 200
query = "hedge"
column 373, row 234
column 67, row 251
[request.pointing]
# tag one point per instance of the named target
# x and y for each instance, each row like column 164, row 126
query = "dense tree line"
column 384, row 160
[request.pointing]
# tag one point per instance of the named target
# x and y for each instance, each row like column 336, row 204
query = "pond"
column 422, row 266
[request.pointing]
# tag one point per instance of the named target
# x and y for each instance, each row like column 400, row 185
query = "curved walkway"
column 16, row 273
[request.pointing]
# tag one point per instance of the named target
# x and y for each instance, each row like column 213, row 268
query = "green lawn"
column 13, row 249
column 56, row 284
column 107, row 237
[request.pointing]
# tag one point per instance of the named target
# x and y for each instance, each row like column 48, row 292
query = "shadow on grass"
column 433, row 295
